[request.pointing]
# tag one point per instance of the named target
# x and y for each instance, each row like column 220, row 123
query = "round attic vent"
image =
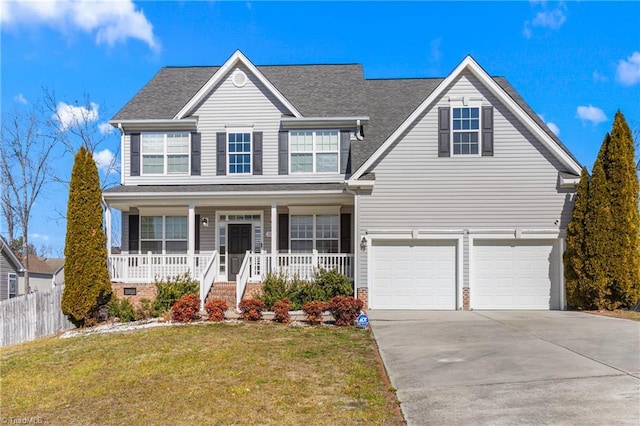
column 239, row 78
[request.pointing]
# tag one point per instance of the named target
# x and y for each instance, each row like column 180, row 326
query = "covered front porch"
column 226, row 238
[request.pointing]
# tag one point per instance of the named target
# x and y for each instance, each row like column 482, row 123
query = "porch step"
column 227, row 291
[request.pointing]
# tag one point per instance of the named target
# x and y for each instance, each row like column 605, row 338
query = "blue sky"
column 575, row 63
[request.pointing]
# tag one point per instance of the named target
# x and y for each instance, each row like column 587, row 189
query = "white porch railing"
column 243, row 276
column 145, row 268
column 301, row 264
column 209, row 277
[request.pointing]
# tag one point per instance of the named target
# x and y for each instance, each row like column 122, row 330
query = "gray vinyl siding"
column 37, row 282
column 415, row 189
column 208, row 234
column 252, row 105
column 6, row 267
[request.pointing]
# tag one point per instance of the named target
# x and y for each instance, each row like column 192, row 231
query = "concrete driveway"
column 511, row 367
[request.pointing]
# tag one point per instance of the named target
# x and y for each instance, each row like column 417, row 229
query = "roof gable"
column 6, row 250
column 516, row 107
column 235, row 59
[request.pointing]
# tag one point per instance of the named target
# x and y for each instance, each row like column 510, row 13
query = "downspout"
column 356, row 239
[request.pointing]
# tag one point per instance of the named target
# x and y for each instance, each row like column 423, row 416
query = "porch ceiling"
column 124, row 197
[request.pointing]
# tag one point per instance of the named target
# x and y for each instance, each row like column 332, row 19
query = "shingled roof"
column 316, row 91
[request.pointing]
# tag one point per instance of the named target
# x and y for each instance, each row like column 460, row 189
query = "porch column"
column 274, row 235
column 192, row 239
column 107, row 218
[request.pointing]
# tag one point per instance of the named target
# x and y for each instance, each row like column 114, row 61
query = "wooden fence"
column 32, row 316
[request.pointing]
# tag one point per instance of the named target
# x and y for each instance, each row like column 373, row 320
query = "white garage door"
column 515, row 275
column 413, row 275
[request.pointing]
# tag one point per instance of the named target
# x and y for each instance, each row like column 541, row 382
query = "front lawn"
column 200, row 374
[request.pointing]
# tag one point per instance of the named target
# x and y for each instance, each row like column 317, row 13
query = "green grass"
column 202, row 374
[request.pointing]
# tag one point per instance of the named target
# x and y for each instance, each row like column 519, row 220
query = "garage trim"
column 422, row 236
column 520, row 234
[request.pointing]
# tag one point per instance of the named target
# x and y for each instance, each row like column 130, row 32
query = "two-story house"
column 434, row 193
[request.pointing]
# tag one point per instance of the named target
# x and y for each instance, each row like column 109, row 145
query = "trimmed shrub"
column 186, row 309
column 313, row 311
column 281, row 311
column 216, row 309
column 172, row 289
column 121, row 309
column 251, row 309
column 345, row 309
column 145, row 310
column 324, row 286
column 333, row 283
column 274, row 288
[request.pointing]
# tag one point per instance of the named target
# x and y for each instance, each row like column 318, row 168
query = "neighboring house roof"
column 6, row 249
column 55, row 264
column 39, row 265
column 330, row 91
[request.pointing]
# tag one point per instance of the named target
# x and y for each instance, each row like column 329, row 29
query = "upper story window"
column 165, row 153
column 314, row 151
column 239, row 152
column 466, row 130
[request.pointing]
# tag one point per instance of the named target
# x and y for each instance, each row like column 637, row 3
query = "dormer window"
column 314, row 151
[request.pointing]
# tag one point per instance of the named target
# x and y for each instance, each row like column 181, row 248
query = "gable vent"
column 239, row 78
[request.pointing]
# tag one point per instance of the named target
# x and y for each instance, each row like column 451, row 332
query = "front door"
column 239, row 243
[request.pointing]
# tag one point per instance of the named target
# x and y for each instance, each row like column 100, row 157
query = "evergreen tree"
column 598, row 228
column 87, row 285
column 622, row 182
column 574, row 257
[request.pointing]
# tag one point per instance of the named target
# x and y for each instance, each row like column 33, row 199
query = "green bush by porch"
column 324, row 286
column 172, row 289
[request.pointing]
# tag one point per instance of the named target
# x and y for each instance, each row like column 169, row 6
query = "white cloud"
column 597, row 77
column 552, row 126
column 19, row 98
column 111, row 21
column 104, row 160
column 69, row 115
column 37, row 236
column 436, row 52
column 105, row 128
column 546, row 18
column 629, row 70
column 550, row 19
column 591, row 113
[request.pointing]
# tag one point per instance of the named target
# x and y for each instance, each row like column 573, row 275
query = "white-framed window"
column 320, row 232
column 163, row 234
column 465, row 130
column 314, row 151
column 13, row 285
column 165, row 153
column 239, row 152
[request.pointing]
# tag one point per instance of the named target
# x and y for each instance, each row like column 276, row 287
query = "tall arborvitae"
column 598, row 228
column 87, row 285
column 574, row 256
column 622, row 181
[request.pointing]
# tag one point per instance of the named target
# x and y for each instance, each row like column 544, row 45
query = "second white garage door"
column 515, row 275
column 413, row 275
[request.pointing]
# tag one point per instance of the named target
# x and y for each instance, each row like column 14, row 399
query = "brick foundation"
column 363, row 294
column 465, row 298
column 143, row 291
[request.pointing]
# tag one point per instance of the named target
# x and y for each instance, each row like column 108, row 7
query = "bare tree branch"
column 24, row 167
